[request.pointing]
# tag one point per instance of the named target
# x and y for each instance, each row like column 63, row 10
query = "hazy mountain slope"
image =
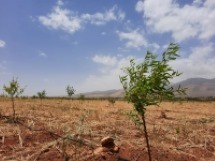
column 109, row 93
column 197, row 87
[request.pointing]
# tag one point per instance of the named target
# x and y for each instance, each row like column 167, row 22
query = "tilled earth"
column 71, row 130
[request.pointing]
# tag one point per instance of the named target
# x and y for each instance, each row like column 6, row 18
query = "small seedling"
column 13, row 90
column 70, row 91
column 112, row 101
column 41, row 95
column 82, row 97
column 148, row 83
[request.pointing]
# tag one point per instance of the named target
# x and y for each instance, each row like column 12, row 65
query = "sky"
column 50, row 44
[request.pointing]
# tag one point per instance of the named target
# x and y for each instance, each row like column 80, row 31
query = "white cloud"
column 105, row 60
column 154, row 47
column 113, row 14
column 42, row 54
column 60, row 3
column 198, row 2
column 69, row 21
column 2, row 43
column 61, row 19
column 200, row 63
column 183, row 22
column 108, row 79
column 133, row 39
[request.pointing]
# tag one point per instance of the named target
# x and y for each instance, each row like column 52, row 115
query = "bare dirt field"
column 71, row 130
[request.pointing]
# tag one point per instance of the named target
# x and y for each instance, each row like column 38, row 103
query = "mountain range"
column 199, row 87
column 196, row 87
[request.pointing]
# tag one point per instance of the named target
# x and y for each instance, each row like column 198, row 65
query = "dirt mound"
column 127, row 153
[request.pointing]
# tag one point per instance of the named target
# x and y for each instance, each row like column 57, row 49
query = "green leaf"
column 147, row 83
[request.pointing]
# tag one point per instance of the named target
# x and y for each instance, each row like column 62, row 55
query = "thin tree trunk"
column 13, row 106
column 41, row 102
column 146, row 136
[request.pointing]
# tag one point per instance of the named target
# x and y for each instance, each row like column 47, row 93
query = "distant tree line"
column 83, row 97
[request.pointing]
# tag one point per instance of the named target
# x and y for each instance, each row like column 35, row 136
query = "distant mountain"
column 104, row 94
column 196, row 87
column 199, row 87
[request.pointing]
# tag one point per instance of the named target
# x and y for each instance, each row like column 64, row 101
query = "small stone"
column 116, row 149
column 107, row 142
column 100, row 151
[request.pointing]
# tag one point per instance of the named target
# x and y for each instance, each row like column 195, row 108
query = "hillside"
column 197, row 87
column 108, row 93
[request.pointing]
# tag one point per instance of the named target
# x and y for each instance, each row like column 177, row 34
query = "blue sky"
column 50, row 44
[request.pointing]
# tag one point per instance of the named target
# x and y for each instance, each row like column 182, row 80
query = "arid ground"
column 71, row 130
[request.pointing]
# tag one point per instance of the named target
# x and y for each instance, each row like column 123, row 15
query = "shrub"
column 13, row 90
column 147, row 83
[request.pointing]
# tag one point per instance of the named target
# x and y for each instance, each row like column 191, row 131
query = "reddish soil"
column 54, row 134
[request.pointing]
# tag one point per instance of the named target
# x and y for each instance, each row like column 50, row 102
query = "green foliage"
column 70, row 90
column 81, row 97
column 41, row 94
column 112, row 101
column 147, row 83
column 204, row 120
column 133, row 115
column 13, row 89
column 81, row 126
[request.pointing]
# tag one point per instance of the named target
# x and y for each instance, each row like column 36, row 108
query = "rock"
column 100, row 151
column 114, row 149
column 108, row 145
column 108, row 142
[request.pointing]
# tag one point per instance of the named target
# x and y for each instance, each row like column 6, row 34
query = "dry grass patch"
column 188, row 131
